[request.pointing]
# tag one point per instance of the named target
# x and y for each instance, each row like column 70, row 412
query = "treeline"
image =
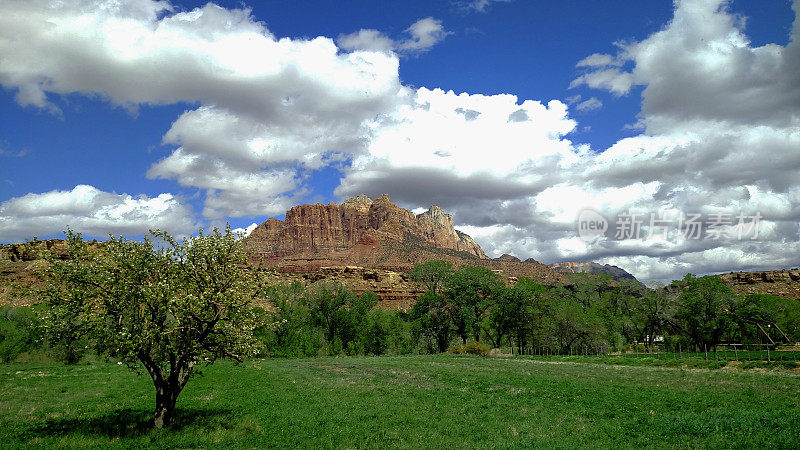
column 329, row 319
column 592, row 313
column 471, row 309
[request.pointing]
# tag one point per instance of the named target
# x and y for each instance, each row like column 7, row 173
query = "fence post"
column 705, row 349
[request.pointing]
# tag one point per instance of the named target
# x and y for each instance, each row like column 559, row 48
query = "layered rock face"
column 368, row 245
column 783, row 283
column 395, row 290
column 325, row 229
column 592, row 267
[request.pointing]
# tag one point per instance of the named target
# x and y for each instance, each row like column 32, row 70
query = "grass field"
column 414, row 401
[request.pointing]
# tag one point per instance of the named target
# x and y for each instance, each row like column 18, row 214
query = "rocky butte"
column 325, row 229
column 372, row 242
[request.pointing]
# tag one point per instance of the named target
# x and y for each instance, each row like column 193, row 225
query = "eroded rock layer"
column 324, row 229
column 316, row 240
column 783, row 283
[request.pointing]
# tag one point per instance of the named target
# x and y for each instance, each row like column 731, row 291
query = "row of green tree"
column 592, row 313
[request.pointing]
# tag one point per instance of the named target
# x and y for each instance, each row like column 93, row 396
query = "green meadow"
column 406, row 401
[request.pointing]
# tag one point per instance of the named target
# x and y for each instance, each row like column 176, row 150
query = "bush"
column 472, row 348
column 287, row 329
column 769, row 365
column 384, row 332
column 19, row 332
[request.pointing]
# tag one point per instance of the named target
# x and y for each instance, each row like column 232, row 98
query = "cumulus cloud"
column 244, row 232
column 441, row 144
column 269, row 108
column 702, row 67
column 712, row 106
column 423, row 35
column 366, row 39
column 613, row 80
column 93, row 212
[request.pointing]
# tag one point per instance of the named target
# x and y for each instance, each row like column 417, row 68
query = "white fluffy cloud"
column 244, row 232
column 721, row 125
column 423, row 35
column 93, row 212
column 703, row 68
column 368, row 40
column 269, row 107
column 614, row 80
column 452, row 148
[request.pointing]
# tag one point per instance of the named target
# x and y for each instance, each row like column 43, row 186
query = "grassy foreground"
column 414, row 401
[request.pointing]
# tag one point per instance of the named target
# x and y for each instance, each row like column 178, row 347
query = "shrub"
column 769, row 364
column 384, row 332
column 472, row 348
column 19, row 332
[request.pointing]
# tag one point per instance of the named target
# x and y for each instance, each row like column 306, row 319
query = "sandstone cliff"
column 324, row 229
column 783, row 283
column 375, row 236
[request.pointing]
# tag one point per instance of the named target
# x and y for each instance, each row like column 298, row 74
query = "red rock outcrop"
column 376, row 237
column 783, row 283
column 325, row 229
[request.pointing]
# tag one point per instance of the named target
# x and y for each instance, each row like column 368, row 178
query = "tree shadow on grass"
column 125, row 423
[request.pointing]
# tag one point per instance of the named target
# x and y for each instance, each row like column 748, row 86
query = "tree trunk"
column 166, row 398
column 442, row 340
column 167, row 388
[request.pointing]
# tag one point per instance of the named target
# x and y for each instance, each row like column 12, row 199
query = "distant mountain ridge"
column 592, row 267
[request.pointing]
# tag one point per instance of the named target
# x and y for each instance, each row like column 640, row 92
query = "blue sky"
column 128, row 121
